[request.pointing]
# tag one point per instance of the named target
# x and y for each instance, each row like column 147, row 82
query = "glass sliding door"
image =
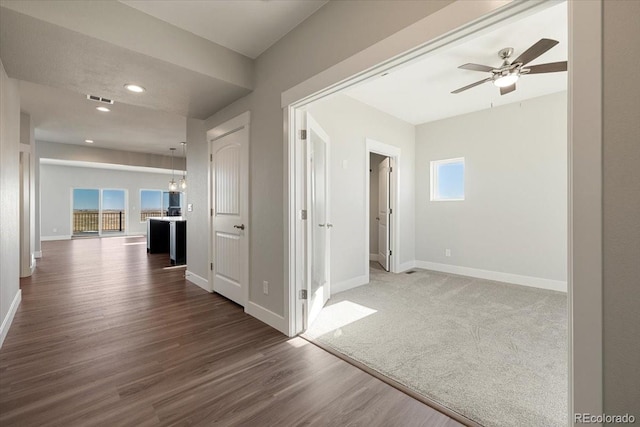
column 112, row 216
column 86, row 212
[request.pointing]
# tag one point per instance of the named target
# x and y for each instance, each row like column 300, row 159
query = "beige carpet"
column 493, row 352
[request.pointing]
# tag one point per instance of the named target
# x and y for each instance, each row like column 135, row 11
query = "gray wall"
column 349, row 123
column 305, row 51
column 515, row 187
column 621, row 160
column 374, row 161
column 9, row 193
column 56, row 187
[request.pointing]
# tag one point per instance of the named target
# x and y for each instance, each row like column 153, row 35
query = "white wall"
column 349, row 123
column 514, row 216
column 9, row 200
column 374, row 161
column 304, row 52
column 55, row 197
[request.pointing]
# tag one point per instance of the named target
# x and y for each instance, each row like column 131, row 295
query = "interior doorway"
column 229, row 207
column 382, row 219
column 379, row 210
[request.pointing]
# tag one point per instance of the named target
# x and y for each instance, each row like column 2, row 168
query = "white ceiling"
column 68, row 117
column 249, row 26
column 420, row 92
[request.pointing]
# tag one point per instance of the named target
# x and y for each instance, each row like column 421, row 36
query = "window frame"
column 433, row 169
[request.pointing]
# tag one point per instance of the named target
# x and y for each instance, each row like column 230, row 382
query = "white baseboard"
column 349, row 284
column 50, row 238
column 8, row 319
column 38, row 254
column 373, row 257
column 197, row 280
column 516, row 279
column 405, row 266
column 267, row 316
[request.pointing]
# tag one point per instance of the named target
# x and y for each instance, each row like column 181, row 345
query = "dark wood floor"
column 105, row 335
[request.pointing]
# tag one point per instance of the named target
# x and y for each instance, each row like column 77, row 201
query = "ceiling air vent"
column 100, row 99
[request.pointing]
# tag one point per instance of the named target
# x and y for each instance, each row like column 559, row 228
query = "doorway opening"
column 444, row 223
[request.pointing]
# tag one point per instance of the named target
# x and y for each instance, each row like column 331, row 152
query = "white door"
column 230, row 203
column 384, row 213
column 318, row 222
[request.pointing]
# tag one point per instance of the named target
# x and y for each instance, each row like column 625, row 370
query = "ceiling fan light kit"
column 506, row 80
column 506, row 76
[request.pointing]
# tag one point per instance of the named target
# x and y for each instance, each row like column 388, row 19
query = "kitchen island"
column 168, row 235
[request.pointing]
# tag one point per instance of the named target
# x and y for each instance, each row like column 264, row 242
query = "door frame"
column 230, row 126
column 449, row 25
column 393, row 153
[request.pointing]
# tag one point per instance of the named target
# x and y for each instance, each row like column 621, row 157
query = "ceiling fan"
column 509, row 72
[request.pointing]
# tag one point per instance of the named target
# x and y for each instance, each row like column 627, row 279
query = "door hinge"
column 303, row 214
column 211, row 157
column 211, row 211
column 303, row 294
column 390, row 253
column 390, row 211
column 211, row 266
column 391, row 169
column 303, row 134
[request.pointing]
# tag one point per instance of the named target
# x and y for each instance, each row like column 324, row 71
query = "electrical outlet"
column 189, row 207
column 447, row 252
column 265, row 287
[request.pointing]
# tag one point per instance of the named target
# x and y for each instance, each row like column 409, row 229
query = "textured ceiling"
column 421, row 91
column 40, row 52
column 249, row 26
column 67, row 117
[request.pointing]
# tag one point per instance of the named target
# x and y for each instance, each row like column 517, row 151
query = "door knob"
column 321, row 225
column 240, row 227
column 329, row 225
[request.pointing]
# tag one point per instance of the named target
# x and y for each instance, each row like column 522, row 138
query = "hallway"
column 106, row 335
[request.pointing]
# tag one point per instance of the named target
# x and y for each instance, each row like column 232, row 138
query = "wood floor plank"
column 106, row 335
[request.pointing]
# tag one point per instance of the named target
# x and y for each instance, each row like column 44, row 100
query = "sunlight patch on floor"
column 297, row 342
column 337, row 316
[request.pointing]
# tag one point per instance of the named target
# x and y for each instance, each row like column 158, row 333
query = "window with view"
column 155, row 203
column 447, row 179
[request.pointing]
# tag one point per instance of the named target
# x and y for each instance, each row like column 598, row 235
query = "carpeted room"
column 480, row 325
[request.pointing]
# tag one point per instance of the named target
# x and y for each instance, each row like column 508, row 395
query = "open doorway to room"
column 472, row 317
column 379, row 211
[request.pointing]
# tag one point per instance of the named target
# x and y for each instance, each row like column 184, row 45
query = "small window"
column 447, row 179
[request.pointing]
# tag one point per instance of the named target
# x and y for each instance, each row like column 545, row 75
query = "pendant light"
column 183, row 180
column 172, row 184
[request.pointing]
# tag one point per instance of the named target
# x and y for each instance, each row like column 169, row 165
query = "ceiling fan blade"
column 536, row 50
column 476, row 67
column 488, row 79
column 507, row 89
column 551, row 67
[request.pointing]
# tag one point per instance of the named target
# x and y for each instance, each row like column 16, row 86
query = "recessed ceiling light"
column 134, row 88
column 89, row 141
column 103, row 109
